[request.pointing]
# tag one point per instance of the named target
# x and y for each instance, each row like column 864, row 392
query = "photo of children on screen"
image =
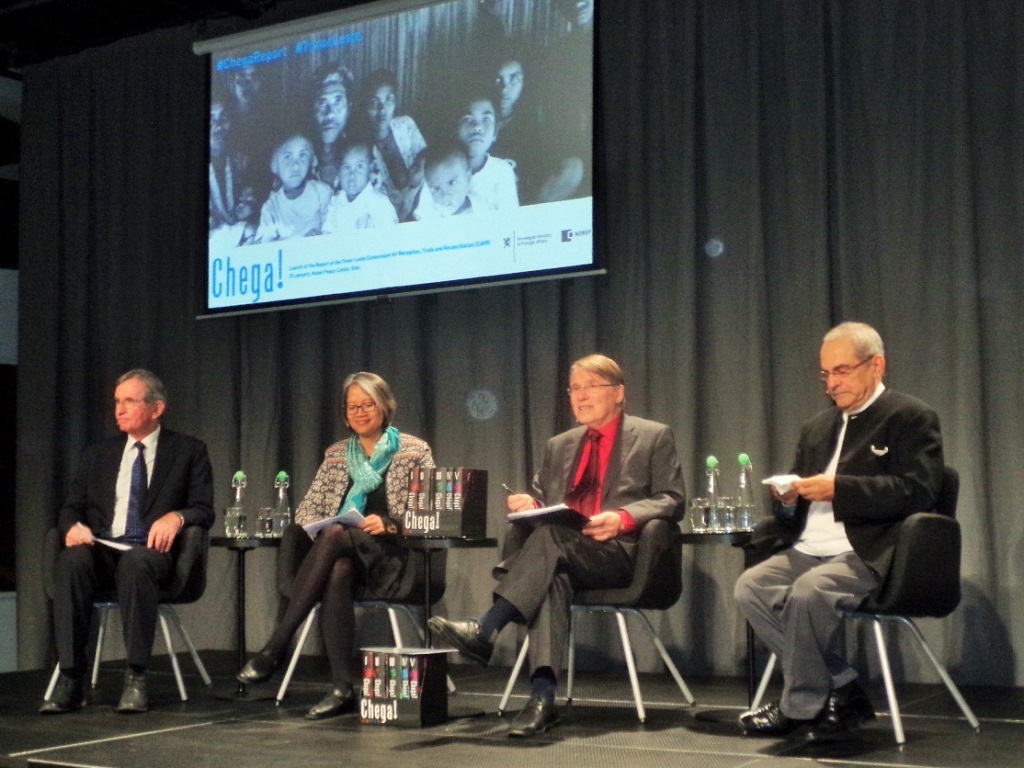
column 357, row 204
column 297, row 205
column 446, row 184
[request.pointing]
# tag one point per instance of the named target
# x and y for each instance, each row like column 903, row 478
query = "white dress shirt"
column 823, row 536
column 124, row 478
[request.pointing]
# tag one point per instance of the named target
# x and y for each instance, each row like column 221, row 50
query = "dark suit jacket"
column 890, row 467
column 643, row 475
column 182, row 482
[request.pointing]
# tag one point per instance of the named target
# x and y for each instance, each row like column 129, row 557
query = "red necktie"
column 585, row 497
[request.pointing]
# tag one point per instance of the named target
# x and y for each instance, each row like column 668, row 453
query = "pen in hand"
column 517, row 502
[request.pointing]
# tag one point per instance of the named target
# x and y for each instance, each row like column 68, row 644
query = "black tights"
column 328, row 575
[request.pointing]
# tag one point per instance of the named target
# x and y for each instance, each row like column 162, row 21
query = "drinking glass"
column 235, row 523
column 265, row 523
column 699, row 515
column 726, row 514
column 744, row 517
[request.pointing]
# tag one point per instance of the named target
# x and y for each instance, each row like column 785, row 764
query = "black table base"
column 240, row 547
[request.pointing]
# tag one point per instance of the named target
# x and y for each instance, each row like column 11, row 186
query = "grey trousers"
column 793, row 602
column 540, row 579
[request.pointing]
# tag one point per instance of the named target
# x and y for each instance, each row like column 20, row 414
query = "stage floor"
column 599, row 730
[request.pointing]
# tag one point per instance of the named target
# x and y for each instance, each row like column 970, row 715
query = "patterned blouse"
column 332, row 480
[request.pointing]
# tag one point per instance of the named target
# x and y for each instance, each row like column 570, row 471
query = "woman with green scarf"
column 367, row 473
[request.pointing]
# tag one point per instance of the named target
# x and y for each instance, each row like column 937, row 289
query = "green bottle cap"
column 744, row 460
column 282, row 476
column 712, row 462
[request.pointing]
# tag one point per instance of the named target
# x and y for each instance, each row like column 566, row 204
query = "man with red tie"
column 619, row 471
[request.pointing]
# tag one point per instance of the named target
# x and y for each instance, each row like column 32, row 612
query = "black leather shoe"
column 845, row 709
column 335, row 703
column 67, row 696
column 769, row 720
column 537, row 716
column 134, row 695
column 465, row 637
column 258, row 669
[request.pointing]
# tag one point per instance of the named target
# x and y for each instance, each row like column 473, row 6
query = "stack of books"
column 446, row 501
column 404, row 686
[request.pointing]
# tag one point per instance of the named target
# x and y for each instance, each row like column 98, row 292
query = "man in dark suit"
column 863, row 466
column 619, row 471
column 139, row 493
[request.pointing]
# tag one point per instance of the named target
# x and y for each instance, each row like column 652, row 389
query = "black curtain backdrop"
column 764, row 170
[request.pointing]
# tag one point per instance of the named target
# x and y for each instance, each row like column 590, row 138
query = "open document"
column 112, row 544
column 782, row 483
column 558, row 514
column 350, row 518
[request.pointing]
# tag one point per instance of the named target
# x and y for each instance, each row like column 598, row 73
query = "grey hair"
column 155, row 392
column 602, row 366
column 866, row 341
column 376, row 388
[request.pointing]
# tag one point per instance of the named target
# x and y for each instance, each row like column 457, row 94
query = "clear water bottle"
column 283, row 509
column 712, row 494
column 746, row 503
column 236, row 523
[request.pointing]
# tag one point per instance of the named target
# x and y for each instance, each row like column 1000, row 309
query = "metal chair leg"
column 663, row 652
column 890, row 688
column 627, row 651
column 876, row 620
column 766, row 677
column 53, row 683
column 103, row 609
column 954, row 691
column 162, row 615
column 886, row 668
column 572, row 658
column 306, row 626
column 396, row 633
column 165, row 614
column 503, row 704
column 172, row 614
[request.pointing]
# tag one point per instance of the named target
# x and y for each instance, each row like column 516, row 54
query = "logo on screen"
column 566, row 235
